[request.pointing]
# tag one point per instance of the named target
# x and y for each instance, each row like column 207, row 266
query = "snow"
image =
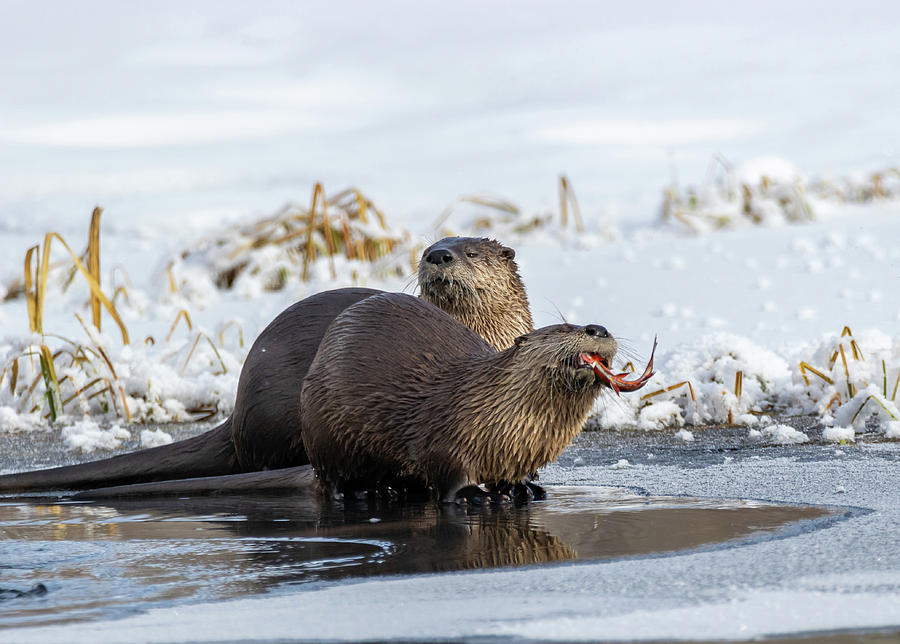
column 737, row 309
column 87, row 436
column 838, row 434
column 892, row 430
column 210, row 118
column 779, row 435
column 154, row 438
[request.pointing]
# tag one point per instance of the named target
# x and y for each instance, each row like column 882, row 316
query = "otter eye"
column 471, row 254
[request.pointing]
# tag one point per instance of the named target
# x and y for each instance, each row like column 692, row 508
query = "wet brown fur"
column 484, row 292
column 481, row 288
column 399, row 390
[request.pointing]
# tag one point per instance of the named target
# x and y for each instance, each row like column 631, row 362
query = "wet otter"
column 474, row 279
column 399, row 391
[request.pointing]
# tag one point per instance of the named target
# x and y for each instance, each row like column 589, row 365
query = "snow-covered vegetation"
column 173, row 369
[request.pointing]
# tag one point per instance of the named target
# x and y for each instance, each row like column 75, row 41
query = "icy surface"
column 843, row 576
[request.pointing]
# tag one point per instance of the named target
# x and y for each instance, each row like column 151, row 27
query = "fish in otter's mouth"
column 616, row 381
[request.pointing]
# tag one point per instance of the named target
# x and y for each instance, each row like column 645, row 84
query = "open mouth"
column 616, row 381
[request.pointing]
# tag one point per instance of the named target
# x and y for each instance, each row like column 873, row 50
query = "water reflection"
column 105, row 558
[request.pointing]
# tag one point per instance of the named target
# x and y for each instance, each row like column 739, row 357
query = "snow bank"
column 724, row 378
column 721, row 305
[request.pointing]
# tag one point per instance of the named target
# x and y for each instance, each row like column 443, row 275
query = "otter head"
column 580, row 357
column 476, row 280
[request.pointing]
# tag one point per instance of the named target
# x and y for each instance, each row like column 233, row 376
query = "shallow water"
column 106, row 559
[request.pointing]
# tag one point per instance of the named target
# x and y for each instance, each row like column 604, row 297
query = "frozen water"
column 180, row 120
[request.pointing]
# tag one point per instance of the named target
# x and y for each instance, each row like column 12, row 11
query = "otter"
column 477, row 283
column 401, row 394
column 475, row 280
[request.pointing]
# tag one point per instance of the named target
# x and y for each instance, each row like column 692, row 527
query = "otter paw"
column 521, row 493
column 477, row 496
column 387, row 493
column 537, row 492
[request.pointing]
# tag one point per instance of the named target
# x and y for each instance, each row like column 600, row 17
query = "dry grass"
column 837, row 374
column 503, row 218
column 723, row 201
column 89, row 381
column 36, row 271
column 346, row 225
column 56, row 375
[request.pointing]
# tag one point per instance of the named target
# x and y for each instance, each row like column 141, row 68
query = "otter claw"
column 477, row 496
column 520, row 493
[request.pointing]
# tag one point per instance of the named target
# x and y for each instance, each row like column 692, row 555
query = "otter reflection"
column 99, row 559
column 247, row 544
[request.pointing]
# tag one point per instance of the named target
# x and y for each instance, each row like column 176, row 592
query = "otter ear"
column 522, row 339
column 507, row 253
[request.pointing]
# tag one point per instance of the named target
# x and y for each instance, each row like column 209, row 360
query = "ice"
column 843, row 577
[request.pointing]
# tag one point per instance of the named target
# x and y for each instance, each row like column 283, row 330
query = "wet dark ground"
column 66, row 562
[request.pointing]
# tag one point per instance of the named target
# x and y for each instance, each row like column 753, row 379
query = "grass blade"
column 54, row 400
column 93, row 262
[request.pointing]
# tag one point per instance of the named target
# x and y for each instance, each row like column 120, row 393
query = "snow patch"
column 779, row 435
column 838, row 434
column 87, row 436
column 12, row 421
column 155, row 438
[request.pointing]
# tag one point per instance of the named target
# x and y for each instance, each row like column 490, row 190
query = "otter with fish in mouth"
column 401, row 394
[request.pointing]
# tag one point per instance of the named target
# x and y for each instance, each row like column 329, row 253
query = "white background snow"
column 180, row 119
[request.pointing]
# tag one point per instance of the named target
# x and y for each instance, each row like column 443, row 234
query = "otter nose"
column 438, row 257
column 596, row 330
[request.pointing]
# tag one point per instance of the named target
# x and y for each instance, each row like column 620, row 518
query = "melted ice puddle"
column 107, row 559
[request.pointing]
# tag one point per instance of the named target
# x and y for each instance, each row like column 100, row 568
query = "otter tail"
column 209, row 454
column 291, row 480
